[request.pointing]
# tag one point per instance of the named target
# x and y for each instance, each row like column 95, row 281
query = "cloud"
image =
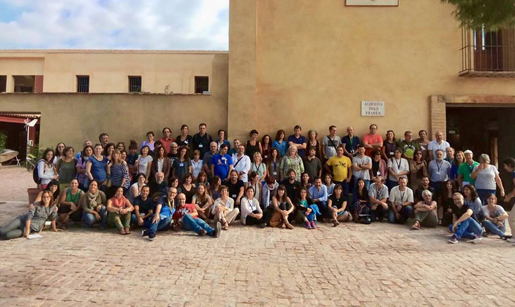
column 115, row 24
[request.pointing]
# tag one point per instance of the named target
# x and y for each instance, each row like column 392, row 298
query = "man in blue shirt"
column 163, row 215
column 221, row 163
column 298, row 140
column 318, row 193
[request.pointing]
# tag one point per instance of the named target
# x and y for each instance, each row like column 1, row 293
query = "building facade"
column 292, row 62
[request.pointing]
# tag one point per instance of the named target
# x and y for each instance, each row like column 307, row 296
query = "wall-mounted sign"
column 372, row 2
column 372, row 108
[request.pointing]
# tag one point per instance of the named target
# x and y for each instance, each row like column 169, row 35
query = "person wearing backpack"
column 45, row 170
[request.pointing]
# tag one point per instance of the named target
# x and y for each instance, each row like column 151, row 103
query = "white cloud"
column 117, row 24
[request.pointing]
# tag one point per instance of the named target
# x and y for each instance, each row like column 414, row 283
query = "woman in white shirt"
column 196, row 164
column 46, row 169
column 487, row 177
column 144, row 162
column 251, row 213
column 223, row 208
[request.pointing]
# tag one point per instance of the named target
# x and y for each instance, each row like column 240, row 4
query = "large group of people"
column 191, row 182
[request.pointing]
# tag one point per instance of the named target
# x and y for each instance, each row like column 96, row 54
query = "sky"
column 115, row 24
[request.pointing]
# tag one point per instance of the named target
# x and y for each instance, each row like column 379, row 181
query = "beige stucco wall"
column 315, row 61
column 72, row 118
column 109, row 69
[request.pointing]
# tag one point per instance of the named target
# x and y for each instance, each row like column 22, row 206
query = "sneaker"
column 313, row 225
column 511, row 240
column 336, row 223
column 476, row 240
column 202, row 232
column 262, row 225
column 453, row 239
column 151, row 237
column 308, row 225
column 217, row 231
column 144, row 233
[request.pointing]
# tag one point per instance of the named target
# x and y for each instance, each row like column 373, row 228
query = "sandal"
column 416, row 226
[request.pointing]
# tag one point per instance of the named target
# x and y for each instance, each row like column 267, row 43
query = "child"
column 308, row 210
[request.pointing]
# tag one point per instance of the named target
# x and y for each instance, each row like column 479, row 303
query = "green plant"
column 3, row 141
column 36, row 153
column 491, row 14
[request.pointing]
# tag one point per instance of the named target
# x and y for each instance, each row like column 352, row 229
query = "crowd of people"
column 192, row 182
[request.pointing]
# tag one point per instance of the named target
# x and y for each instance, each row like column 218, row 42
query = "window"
column 82, row 84
column 3, row 84
column 134, row 84
column 24, row 84
column 201, row 85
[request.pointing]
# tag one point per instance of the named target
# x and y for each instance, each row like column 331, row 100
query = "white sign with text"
column 372, row 108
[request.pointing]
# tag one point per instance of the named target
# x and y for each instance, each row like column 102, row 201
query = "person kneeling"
column 186, row 217
column 33, row 221
column 464, row 224
column 119, row 209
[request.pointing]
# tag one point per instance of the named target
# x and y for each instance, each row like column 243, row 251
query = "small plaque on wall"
column 372, row 108
column 372, row 2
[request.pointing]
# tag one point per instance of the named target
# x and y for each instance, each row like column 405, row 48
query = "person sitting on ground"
column 269, row 191
column 69, row 204
column 361, row 202
column 33, row 221
column 283, row 206
column 251, row 213
column 464, row 223
column 318, row 193
column 401, row 202
column 223, row 208
column 446, row 202
column 378, row 195
column 292, row 185
column 144, row 207
column 119, row 211
column 495, row 217
column 307, row 210
column 426, row 212
column 162, row 217
column 186, row 218
column 337, row 204
column 202, row 202
column 472, row 199
column 52, row 186
column 93, row 205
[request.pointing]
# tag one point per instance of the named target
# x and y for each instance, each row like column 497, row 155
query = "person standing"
column 253, row 145
column 166, row 140
column 184, row 139
column 418, row 170
column 330, row 143
column 350, row 143
column 241, row 163
column 201, row 140
column 208, row 157
column 298, row 141
column 361, row 166
column 397, row 167
column 439, row 172
column 423, row 143
column 486, row 176
column 437, row 143
column 312, row 164
column 373, row 140
column 291, row 161
column 465, row 170
column 408, row 146
column 340, row 167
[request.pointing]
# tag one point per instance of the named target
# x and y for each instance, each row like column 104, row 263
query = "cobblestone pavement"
column 351, row 265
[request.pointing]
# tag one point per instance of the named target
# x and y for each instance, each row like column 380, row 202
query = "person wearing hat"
column 465, row 170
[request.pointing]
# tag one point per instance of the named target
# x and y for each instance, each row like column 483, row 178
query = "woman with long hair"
column 87, row 152
column 119, row 176
column 203, row 202
column 389, row 145
column 280, row 143
column 314, row 143
column 188, row 188
column 160, row 163
column 182, row 165
column 108, row 151
column 283, row 205
column 46, row 168
column 447, row 203
column 418, row 170
column 66, row 167
column 69, row 208
column 266, row 146
column 58, row 153
column 273, row 163
column 472, row 199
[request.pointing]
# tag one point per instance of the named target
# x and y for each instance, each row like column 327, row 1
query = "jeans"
column 469, row 228
column 484, row 194
column 493, row 228
column 88, row 219
column 189, row 223
column 13, row 229
column 405, row 214
column 161, row 225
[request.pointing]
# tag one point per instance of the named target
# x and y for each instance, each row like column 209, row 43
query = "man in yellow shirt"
column 340, row 167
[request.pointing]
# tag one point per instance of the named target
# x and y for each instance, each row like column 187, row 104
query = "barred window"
column 134, row 84
column 82, row 84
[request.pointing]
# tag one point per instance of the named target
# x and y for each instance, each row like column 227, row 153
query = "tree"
column 492, row 14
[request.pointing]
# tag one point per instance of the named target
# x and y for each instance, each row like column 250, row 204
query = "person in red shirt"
column 167, row 139
column 372, row 141
column 186, row 217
